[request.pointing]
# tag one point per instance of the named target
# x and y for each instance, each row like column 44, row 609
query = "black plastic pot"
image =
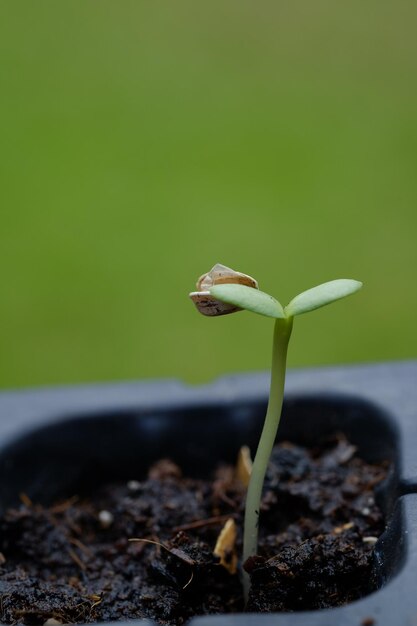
column 54, row 442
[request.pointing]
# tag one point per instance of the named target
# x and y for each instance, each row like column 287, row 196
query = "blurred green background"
column 141, row 142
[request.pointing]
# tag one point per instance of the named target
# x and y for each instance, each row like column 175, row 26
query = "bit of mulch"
column 73, row 562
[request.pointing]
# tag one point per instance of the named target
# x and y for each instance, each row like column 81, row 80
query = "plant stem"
column 282, row 333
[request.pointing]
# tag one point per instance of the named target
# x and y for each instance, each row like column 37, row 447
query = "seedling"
column 222, row 291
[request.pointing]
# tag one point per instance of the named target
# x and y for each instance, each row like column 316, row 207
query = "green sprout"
column 222, row 291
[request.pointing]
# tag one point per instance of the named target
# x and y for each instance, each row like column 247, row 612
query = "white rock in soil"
column 370, row 540
column 106, row 519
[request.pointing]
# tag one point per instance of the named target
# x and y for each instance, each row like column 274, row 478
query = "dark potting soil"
column 73, row 562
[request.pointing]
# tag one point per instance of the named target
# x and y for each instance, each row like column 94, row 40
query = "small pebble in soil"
column 133, row 485
column 105, row 518
column 370, row 540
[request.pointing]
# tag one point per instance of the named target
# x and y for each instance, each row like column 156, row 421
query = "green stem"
column 282, row 333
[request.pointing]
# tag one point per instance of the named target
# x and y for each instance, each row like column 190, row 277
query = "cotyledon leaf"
column 249, row 299
column 321, row 295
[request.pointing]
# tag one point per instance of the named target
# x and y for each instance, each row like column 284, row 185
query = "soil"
column 73, row 562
